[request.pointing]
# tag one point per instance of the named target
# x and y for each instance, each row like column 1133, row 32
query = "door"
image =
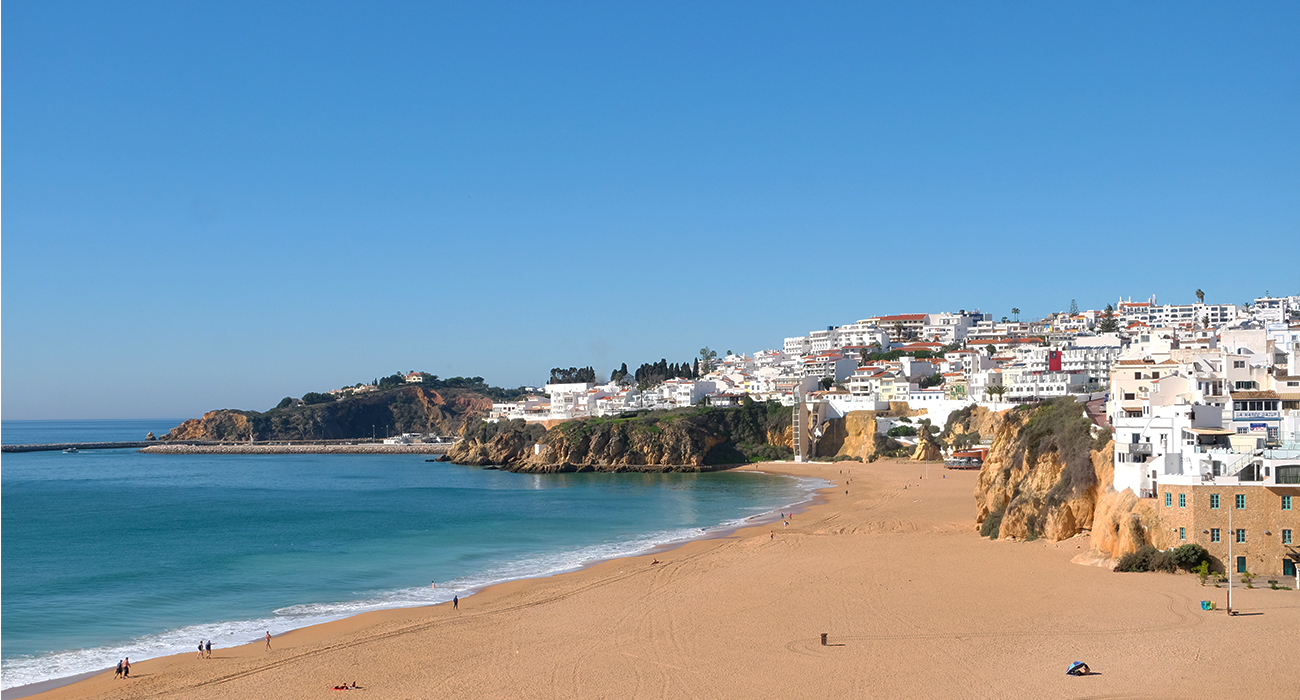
column 1241, row 565
column 1288, row 567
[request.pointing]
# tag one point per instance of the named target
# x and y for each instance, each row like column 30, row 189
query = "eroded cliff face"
column 850, row 436
column 692, row 441
column 980, row 421
column 854, row 435
column 1045, row 475
column 408, row 409
column 927, row 450
column 1121, row 524
column 225, row 424
column 606, row 447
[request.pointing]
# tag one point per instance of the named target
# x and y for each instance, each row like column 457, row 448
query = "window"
column 1286, row 503
column 1214, row 535
column 1214, row 499
column 1182, row 533
column 1286, row 537
column 1238, row 364
column 1240, row 501
column 1169, row 500
column 1182, row 500
column 1241, row 535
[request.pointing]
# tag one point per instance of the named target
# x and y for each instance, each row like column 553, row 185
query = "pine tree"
column 1108, row 322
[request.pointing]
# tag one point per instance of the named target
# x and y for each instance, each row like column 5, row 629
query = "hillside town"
column 1203, row 399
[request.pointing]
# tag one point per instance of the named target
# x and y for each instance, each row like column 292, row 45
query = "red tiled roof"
column 902, row 317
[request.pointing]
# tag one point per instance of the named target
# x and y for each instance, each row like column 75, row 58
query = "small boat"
column 71, row 451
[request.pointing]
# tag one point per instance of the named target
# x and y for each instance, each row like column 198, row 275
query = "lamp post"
column 1232, row 535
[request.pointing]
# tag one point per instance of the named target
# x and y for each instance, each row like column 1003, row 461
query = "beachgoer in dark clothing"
column 208, row 648
column 200, row 650
column 119, row 670
column 455, row 602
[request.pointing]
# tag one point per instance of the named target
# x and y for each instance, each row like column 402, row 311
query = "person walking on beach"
column 126, row 667
column 455, row 602
column 200, row 649
column 268, row 639
column 119, row 670
column 208, row 649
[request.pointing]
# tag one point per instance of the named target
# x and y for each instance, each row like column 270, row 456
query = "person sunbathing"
column 1078, row 668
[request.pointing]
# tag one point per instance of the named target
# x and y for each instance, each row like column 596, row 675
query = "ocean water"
column 34, row 432
column 114, row 553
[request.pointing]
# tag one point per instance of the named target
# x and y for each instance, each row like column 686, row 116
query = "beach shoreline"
column 718, row 531
column 888, row 564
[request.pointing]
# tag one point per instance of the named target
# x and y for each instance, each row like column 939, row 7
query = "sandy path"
column 915, row 603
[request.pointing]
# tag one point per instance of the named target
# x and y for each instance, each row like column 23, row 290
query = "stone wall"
column 1262, row 513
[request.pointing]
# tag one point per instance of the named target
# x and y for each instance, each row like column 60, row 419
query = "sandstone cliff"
column 1042, row 477
column 692, row 440
column 406, row 409
column 978, row 421
column 856, row 434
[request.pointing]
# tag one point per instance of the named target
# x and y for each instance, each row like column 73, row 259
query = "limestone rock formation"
column 855, row 434
column 694, row 440
column 1041, row 477
column 927, row 450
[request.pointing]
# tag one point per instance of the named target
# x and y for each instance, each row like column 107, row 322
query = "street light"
column 1227, row 566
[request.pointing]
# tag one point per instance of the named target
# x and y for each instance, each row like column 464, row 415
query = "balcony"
column 1139, row 449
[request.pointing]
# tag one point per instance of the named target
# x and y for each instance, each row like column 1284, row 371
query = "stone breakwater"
column 56, row 446
column 297, row 448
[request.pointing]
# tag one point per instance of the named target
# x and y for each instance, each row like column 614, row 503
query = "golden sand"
column 915, row 605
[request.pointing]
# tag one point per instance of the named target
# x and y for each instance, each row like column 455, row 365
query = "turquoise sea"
column 114, row 553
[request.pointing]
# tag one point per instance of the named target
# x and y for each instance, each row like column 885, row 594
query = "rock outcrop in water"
column 697, row 439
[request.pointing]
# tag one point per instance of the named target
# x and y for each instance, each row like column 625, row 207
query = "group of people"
column 345, row 686
column 123, row 669
column 205, row 649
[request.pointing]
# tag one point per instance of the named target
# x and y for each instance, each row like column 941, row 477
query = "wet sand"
column 914, row 602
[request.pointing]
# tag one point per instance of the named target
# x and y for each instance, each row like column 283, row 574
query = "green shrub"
column 1190, row 557
column 1137, row 561
column 1203, row 571
column 901, row 431
column 992, row 524
column 1162, row 561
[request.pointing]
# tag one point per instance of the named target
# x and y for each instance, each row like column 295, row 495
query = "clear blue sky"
column 211, row 207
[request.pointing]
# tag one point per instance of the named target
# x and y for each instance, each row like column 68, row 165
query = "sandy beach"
column 915, row 605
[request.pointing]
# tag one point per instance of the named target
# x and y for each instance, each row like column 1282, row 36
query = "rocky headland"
column 408, row 409
column 696, row 439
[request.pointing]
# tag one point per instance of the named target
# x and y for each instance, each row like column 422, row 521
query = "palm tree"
column 1200, row 296
column 1015, row 312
